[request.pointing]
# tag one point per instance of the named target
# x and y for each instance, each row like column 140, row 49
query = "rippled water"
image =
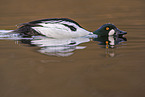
column 88, row 69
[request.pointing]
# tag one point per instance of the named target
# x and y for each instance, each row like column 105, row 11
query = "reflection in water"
column 57, row 47
column 110, row 43
column 64, row 47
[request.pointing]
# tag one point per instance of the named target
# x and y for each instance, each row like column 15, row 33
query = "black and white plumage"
column 53, row 27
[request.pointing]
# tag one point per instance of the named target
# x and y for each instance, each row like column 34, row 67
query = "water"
column 88, row 69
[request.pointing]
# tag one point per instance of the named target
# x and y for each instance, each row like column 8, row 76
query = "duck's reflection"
column 66, row 47
column 110, row 43
column 57, row 47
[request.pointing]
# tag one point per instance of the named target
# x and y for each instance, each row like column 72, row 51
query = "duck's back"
column 54, row 27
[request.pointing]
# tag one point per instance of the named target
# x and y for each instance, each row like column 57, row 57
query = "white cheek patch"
column 111, row 32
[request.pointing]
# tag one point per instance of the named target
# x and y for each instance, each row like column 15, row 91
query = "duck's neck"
column 97, row 32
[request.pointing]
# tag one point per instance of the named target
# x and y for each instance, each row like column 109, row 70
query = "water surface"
column 92, row 71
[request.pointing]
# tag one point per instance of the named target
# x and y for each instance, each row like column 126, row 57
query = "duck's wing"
column 44, row 22
column 25, row 29
column 54, row 27
column 54, row 20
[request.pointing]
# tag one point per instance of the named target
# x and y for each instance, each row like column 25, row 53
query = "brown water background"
column 90, row 72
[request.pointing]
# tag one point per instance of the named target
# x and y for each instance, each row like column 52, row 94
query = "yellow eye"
column 107, row 28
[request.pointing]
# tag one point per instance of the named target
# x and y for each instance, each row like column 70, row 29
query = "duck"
column 63, row 28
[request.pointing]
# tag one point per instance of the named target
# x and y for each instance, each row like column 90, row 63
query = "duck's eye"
column 107, row 28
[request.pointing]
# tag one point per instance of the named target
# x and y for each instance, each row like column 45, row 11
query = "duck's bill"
column 119, row 32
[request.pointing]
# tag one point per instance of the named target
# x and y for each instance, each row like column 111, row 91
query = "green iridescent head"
column 109, row 30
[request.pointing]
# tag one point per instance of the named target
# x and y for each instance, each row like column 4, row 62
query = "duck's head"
column 109, row 30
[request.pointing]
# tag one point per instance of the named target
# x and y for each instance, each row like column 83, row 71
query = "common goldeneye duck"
column 62, row 28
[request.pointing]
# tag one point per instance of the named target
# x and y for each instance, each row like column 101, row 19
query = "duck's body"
column 54, row 27
column 64, row 28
